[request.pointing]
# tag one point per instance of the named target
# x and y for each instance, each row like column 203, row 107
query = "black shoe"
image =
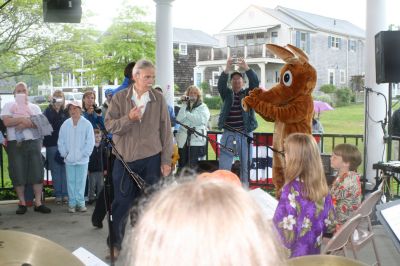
column 42, row 209
column 97, row 224
column 21, row 209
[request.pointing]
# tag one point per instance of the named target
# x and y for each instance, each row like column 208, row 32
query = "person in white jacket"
column 195, row 114
column 75, row 144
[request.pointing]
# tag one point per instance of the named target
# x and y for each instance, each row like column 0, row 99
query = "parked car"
column 72, row 96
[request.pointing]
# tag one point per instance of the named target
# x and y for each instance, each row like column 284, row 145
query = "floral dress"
column 301, row 222
column 346, row 195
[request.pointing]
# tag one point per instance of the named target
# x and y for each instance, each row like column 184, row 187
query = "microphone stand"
column 191, row 131
column 107, row 191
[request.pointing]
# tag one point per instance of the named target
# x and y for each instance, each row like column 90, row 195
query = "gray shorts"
column 25, row 164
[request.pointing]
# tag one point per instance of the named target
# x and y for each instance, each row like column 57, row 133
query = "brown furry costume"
column 289, row 104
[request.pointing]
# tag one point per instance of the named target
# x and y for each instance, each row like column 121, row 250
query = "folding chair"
column 341, row 238
column 366, row 234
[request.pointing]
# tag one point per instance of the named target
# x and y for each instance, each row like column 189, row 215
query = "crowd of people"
column 197, row 220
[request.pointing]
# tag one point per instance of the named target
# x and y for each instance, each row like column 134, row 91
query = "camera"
column 57, row 100
column 96, row 109
column 185, row 98
column 235, row 60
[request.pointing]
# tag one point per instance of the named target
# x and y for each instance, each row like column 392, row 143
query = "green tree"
column 25, row 41
column 127, row 39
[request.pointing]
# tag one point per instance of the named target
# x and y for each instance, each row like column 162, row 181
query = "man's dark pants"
column 126, row 191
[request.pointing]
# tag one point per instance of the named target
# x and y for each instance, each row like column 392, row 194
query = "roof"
column 322, row 23
column 195, row 37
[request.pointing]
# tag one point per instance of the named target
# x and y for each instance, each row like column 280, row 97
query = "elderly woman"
column 195, row 114
column 56, row 114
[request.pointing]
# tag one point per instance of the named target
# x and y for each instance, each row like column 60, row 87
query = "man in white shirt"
column 24, row 158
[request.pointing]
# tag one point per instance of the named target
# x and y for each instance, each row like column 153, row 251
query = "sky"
column 211, row 16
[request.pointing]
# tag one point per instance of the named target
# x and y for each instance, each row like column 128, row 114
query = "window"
column 198, row 79
column 352, row 45
column 183, row 49
column 331, row 76
column 240, row 40
column 215, row 77
column 260, row 38
column 250, row 39
column 342, row 76
column 303, row 41
column 277, row 76
column 274, row 37
column 334, row 42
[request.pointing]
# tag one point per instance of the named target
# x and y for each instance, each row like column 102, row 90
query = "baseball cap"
column 236, row 73
column 74, row 103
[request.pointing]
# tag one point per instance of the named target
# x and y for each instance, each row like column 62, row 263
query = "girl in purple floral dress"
column 305, row 209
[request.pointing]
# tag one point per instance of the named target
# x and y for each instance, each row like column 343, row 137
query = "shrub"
column 328, row 88
column 205, row 87
column 343, row 96
column 213, row 102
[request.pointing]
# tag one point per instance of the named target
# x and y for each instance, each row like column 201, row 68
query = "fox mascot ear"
column 289, row 53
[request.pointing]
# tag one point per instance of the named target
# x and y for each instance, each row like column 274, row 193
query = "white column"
column 376, row 22
column 262, row 74
column 164, row 49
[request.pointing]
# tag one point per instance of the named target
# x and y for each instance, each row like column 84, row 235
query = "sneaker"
column 71, row 209
column 81, row 209
column 42, row 209
column 21, row 209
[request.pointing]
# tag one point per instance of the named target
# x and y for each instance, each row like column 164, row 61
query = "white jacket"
column 197, row 118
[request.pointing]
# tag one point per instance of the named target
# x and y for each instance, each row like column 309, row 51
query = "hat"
column 236, row 73
column 108, row 91
column 224, row 175
column 74, row 103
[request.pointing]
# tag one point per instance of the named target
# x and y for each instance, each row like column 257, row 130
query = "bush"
column 213, row 102
column 205, row 87
column 324, row 98
column 344, row 96
column 328, row 88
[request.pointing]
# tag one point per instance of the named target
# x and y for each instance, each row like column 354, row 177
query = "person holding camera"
column 233, row 116
column 195, row 114
column 91, row 111
column 56, row 114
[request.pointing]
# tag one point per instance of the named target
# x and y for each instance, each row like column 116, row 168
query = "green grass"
column 342, row 120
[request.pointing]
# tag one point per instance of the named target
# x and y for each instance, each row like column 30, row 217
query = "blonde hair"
column 303, row 160
column 202, row 223
column 197, row 90
column 20, row 84
column 350, row 154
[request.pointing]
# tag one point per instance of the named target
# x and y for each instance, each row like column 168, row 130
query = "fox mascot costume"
column 289, row 104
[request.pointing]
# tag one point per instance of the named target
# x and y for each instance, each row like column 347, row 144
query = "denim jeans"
column 240, row 149
column 58, row 174
column 76, row 181
column 126, row 191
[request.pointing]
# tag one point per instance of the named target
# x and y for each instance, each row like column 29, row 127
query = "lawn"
column 342, row 120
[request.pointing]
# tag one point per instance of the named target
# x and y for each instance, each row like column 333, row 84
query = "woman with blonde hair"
column 91, row 111
column 56, row 114
column 194, row 114
column 202, row 223
column 305, row 209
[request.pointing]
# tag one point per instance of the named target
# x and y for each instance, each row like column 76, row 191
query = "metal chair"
column 365, row 233
column 342, row 237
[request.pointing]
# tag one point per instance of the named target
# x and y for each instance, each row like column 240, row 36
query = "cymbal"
column 324, row 260
column 19, row 248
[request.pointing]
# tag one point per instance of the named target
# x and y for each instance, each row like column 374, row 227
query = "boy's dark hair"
column 350, row 154
column 128, row 70
column 97, row 131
